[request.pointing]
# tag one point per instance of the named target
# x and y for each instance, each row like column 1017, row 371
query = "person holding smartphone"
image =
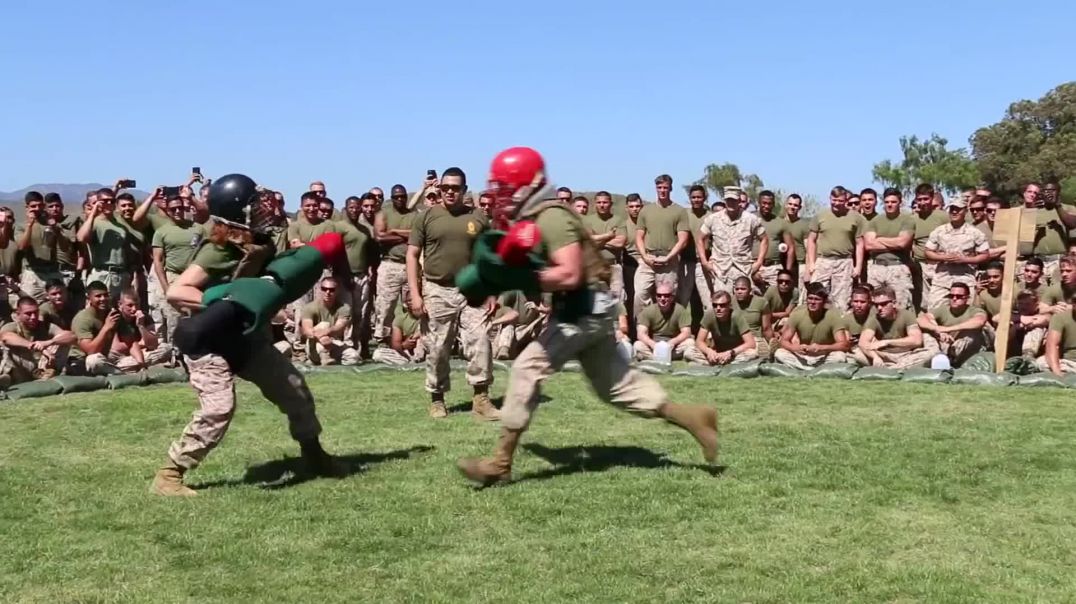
column 37, row 242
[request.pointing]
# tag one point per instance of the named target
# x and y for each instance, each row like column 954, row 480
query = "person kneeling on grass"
column 37, row 350
column 891, row 337
column 723, row 338
column 1060, row 357
column 665, row 321
column 813, row 334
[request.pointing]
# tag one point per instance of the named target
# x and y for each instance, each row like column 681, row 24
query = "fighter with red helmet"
column 582, row 323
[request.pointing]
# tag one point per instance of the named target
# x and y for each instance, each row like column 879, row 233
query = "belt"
column 887, row 262
column 776, row 262
column 111, row 269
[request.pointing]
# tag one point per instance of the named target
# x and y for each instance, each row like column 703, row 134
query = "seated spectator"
column 778, row 302
column 957, row 326
column 516, row 323
column 665, row 321
column 405, row 341
column 1027, row 327
column 891, row 336
column 623, row 327
column 37, row 350
column 324, row 324
column 1056, row 298
column 1032, row 277
column 1060, row 356
column 137, row 344
column 98, row 326
column 989, row 297
column 723, row 337
column 814, row 334
column 58, row 310
column 859, row 312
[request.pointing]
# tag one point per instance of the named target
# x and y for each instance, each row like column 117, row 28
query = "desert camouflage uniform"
column 966, row 240
column 730, row 246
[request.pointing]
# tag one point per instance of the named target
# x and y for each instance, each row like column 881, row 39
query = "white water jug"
column 662, row 353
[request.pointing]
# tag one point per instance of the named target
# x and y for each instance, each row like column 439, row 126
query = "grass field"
column 830, row 491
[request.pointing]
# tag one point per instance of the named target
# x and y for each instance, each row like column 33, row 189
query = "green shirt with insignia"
column 178, row 244
column 662, row 327
column 823, row 332
column 600, row 226
column 884, row 226
column 724, row 335
column 446, row 238
column 836, row 235
column 662, row 226
column 1065, row 325
column 395, row 219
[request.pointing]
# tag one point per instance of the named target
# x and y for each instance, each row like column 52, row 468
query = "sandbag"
column 779, row 370
column 878, row 374
column 165, row 375
column 36, row 389
column 1070, row 380
column 839, row 371
column 126, row 380
column 698, row 371
column 655, row 368
column 1020, row 366
column 81, row 383
column 748, row 369
column 1042, row 380
column 926, row 375
column 971, row 377
column 983, row 361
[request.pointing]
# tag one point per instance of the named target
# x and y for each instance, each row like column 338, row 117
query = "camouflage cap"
column 731, row 193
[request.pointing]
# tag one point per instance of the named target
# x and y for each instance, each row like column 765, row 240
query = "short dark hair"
column 580, row 198
column 454, row 171
column 309, row 195
column 785, row 273
column 796, row 196
column 96, row 286
column 699, row 188
column 1035, row 261
column 861, row 289
column 961, row 284
column 24, row 301
column 766, row 193
column 869, row 190
column 837, row 191
column 53, row 198
column 53, row 284
column 890, row 191
column 719, row 294
column 327, row 200
column 564, row 190
column 105, row 191
column 995, row 265
column 125, row 197
column 489, row 194
column 32, row 196
column 633, row 197
column 741, row 281
column 924, row 189
column 886, row 291
column 351, row 199
column 663, row 178
column 815, row 288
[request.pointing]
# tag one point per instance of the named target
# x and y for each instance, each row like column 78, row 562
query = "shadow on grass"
column 599, row 458
column 291, row 471
column 497, row 401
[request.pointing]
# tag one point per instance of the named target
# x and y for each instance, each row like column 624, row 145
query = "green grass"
column 832, row 491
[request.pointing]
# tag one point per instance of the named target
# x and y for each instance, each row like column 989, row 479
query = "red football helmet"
column 516, row 177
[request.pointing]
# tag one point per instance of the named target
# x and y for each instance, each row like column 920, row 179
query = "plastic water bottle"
column 662, row 353
column 940, row 361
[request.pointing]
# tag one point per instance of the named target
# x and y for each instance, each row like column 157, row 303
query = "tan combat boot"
column 699, row 420
column 483, row 408
column 491, row 470
column 438, row 409
column 169, row 482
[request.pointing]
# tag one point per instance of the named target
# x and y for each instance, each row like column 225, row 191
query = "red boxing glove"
column 518, row 242
column 331, row 247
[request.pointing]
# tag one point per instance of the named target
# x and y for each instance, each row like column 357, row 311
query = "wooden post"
column 1012, row 226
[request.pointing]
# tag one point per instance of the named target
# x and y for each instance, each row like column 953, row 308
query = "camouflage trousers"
column 32, row 283
column 510, row 339
column 723, row 280
column 923, row 277
column 643, row 351
column 338, row 352
column 695, row 355
column 28, row 365
column 704, row 284
column 113, row 362
column 448, row 315
column 358, row 333
column 895, row 359
column 963, row 346
column 214, row 382
column 768, row 274
column 391, row 281
column 1067, row 366
column 835, row 274
column 645, row 278
column 592, row 342
column 165, row 316
column 1031, row 345
column 897, row 276
column 389, row 356
column 807, row 361
column 942, row 281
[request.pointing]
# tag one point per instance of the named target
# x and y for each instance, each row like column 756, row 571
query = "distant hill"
column 71, row 194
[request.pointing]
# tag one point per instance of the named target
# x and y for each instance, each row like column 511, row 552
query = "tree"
column 1035, row 141
column 716, row 177
column 927, row 161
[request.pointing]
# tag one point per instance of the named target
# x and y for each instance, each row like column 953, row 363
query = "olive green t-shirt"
column 776, row 227
column 156, row 218
column 559, row 226
column 317, row 312
column 944, row 316
column 751, row 312
column 629, row 229
column 1051, row 235
column 10, row 260
column 446, row 237
column 518, row 302
column 138, row 240
column 359, row 242
column 773, row 301
column 662, row 225
column 885, row 226
column 725, row 335
column 44, row 331
column 836, row 235
column 694, row 223
column 66, row 248
column 406, row 322
column 923, row 228
column 1065, row 325
column 178, row 244
column 41, row 255
column 218, row 261
column 600, row 226
column 664, row 327
column 86, row 325
column 395, row 219
column 108, row 243
column 823, row 332
column 799, row 230
column 989, row 302
column 891, row 330
column 48, row 312
column 1056, row 294
column 306, row 232
column 853, row 325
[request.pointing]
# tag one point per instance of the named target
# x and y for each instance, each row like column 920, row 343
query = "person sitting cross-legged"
column 1060, row 357
column 324, row 324
column 723, row 338
column 957, row 326
column 813, row 334
column 114, row 340
column 665, row 321
column 405, row 339
column 891, row 336
column 37, row 349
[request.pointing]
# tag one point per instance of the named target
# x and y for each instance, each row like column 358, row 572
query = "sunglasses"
column 721, row 305
column 789, row 281
column 328, row 289
column 977, row 209
column 456, row 188
column 882, row 303
column 399, row 197
column 958, row 296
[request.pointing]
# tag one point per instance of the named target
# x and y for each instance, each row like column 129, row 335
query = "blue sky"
column 612, row 93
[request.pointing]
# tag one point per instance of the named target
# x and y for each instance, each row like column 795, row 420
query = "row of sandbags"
column 67, row 384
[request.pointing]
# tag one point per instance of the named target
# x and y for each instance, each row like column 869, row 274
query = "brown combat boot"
column 699, row 420
column 487, row 471
column 169, row 482
column 482, row 408
column 437, row 407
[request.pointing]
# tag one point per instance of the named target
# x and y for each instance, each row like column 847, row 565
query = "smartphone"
column 170, row 192
column 196, row 170
column 432, row 174
column 128, row 184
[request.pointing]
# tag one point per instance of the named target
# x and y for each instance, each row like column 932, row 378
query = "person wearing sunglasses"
column 957, row 326
column 814, row 334
column 892, row 336
column 957, row 248
column 666, row 321
column 173, row 246
column 324, row 324
column 777, row 304
column 723, row 337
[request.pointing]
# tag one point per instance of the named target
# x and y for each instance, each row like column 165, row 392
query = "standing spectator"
column 581, row 205
column 835, row 249
column 302, row 231
column 730, row 236
column 324, row 323
column 174, row 243
column 661, row 235
column 633, row 206
column 957, row 326
column 393, row 229
column 868, row 203
column 10, row 263
column 926, row 220
column 444, row 236
column 798, row 228
column 67, row 255
column 59, row 310
column 693, row 275
column 888, row 242
column 1052, row 224
column 104, row 235
column 957, row 248
column 37, row 350
column 608, row 234
column 361, row 248
column 777, row 235
column 564, row 195
column 37, row 243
